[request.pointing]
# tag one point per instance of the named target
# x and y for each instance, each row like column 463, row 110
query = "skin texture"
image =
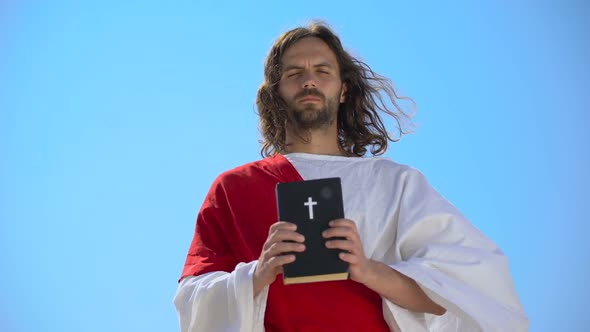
column 312, row 89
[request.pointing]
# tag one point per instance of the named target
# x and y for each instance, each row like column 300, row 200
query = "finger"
column 282, row 225
column 282, row 235
column 279, row 261
column 346, row 232
column 349, row 258
column 342, row 223
column 279, row 248
column 345, row 245
column 285, row 235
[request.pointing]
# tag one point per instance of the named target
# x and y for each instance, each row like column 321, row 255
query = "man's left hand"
column 360, row 266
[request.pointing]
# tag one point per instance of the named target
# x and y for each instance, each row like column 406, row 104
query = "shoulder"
column 239, row 173
column 391, row 175
column 386, row 167
column 256, row 173
column 234, row 180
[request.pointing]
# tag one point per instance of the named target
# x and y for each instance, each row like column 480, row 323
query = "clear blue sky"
column 115, row 117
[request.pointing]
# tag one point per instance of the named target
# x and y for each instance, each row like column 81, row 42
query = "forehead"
column 309, row 49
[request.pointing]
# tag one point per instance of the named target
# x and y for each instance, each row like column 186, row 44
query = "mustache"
column 309, row 92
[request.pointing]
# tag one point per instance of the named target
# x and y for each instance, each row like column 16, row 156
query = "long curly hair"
column 359, row 123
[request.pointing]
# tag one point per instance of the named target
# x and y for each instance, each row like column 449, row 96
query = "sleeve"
column 215, row 291
column 456, row 266
column 221, row 301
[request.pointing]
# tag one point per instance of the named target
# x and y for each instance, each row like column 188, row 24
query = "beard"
column 312, row 116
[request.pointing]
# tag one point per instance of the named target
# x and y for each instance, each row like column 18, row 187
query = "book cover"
column 311, row 205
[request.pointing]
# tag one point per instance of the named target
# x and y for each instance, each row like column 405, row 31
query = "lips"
column 309, row 96
column 309, row 99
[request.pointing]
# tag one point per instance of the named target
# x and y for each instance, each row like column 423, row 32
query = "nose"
column 309, row 80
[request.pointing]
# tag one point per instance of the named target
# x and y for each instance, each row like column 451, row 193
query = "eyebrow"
column 321, row 64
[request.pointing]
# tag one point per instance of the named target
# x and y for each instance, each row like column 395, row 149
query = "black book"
column 311, row 205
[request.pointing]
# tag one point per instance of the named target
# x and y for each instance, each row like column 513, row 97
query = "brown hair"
column 359, row 123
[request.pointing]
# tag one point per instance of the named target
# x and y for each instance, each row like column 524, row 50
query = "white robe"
column 403, row 222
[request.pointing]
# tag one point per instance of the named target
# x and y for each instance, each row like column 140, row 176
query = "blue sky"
column 115, row 117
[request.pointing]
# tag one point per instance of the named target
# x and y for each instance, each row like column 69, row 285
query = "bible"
column 311, row 205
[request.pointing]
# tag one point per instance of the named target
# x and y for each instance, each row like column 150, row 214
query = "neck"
column 321, row 141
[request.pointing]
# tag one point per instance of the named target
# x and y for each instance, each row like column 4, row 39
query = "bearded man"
column 415, row 262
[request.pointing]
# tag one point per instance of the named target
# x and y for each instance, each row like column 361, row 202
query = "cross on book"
column 310, row 203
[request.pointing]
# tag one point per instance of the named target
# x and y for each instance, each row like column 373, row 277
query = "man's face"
column 310, row 83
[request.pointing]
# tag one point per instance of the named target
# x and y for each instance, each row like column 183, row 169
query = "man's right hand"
column 273, row 257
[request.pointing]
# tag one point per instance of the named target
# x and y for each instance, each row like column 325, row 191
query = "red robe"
column 232, row 227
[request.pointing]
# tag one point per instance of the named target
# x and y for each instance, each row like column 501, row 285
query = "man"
column 415, row 263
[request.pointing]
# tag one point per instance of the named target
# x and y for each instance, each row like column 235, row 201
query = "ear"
column 343, row 92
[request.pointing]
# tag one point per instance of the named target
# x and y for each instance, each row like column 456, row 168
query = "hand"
column 272, row 258
column 360, row 267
